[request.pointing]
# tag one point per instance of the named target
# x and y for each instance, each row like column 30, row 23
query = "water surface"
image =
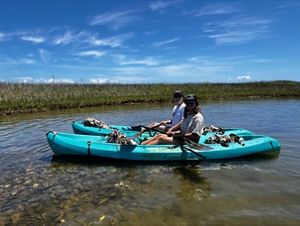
column 37, row 188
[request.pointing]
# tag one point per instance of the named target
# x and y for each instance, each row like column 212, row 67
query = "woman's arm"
column 165, row 122
column 174, row 129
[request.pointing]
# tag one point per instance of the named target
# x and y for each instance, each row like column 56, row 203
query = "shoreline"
column 27, row 98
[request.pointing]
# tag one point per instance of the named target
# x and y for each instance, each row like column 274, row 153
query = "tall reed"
column 18, row 97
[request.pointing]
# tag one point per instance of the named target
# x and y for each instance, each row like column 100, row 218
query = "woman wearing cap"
column 177, row 113
column 189, row 128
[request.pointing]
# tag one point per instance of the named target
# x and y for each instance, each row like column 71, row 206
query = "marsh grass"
column 17, row 98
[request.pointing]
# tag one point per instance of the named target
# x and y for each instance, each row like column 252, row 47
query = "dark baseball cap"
column 190, row 97
column 177, row 94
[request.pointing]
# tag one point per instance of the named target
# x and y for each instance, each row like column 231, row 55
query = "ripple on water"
column 37, row 188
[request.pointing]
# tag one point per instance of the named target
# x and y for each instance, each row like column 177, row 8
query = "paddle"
column 181, row 145
column 147, row 128
column 194, row 152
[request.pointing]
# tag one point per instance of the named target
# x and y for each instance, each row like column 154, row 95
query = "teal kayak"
column 82, row 145
column 80, row 128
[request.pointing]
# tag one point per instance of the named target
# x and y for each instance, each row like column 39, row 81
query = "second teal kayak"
column 80, row 128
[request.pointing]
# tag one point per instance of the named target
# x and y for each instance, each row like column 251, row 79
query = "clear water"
column 36, row 188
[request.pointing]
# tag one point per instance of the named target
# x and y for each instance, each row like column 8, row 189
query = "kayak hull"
column 82, row 145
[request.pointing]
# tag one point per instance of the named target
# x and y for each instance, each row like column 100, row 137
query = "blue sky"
column 149, row 41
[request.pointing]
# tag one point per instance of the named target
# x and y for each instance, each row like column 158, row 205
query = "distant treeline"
column 17, row 98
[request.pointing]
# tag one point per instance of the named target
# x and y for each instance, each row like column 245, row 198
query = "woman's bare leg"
column 152, row 139
column 159, row 139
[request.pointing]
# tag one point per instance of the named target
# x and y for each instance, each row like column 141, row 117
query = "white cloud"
column 133, row 79
column 67, row 37
column 189, row 69
column 215, row 9
column 166, row 42
column 28, row 79
column 9, row 61
column 113, row 42
column 177, row 69
column 237, row 30
column 206, row 64
column 245, row 59
column 33, row 39
column 287, row 5
column 125, row 60
column 27, row 61
column 93, row 53
column 149, row 61
column 245, row 22
column 25, row 79
column 235, row 37
column 201, row 60
column 45, row 55
column 158, row 5
column 114, row 20
column 244, row 77
column 101, row 80
column 181, row 72
column 2, row 36
column 61, row 80
column 64, row 39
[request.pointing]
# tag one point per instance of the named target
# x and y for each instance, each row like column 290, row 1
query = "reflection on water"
column 193, row 186
column 38, row 188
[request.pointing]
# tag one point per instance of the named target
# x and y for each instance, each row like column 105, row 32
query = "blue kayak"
column 80, row 128
column 82, row 145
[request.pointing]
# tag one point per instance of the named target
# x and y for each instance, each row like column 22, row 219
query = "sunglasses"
column 190, row 103
column 177, row 96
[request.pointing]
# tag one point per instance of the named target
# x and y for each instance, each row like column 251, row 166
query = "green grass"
column 17, row 98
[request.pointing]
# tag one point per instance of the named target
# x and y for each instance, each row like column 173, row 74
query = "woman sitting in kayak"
column 177, row 113
column 189, row 128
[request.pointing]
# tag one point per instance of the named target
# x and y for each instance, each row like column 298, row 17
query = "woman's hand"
column 164, row 122
column 170, row 133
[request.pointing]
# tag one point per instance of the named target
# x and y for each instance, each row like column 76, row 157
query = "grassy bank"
column 17, row 98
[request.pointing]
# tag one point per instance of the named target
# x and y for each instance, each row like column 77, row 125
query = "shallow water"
column 37, row 188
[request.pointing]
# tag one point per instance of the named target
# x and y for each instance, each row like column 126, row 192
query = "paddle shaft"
column 147, row 128
column 194, row 152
